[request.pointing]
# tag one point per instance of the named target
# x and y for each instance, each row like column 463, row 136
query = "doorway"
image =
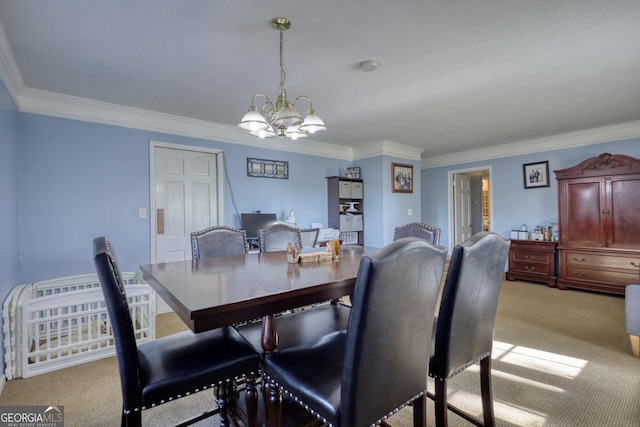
column 186, row 195
column 470, row 203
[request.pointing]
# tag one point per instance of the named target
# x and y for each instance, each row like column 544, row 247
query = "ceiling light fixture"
column 283, row 119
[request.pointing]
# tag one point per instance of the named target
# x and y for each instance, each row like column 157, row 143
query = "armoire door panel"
column 583, row 225
column 624, row 211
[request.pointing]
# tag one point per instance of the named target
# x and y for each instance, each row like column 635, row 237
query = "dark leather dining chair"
column 418, row 229
column 174, row 366
column 362, row 375
column 217, row 241
column 276, row 237
column 465, row 322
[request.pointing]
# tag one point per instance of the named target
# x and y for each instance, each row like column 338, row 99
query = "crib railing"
column 63, row 322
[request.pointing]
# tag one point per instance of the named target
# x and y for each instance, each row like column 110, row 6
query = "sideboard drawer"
column 601, row 276
column 587, row 259
column 533, row 257
column 532, row 268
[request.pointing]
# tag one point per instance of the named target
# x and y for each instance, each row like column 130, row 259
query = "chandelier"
column 281, row 119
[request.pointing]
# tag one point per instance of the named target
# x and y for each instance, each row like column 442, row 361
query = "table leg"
column 269, row 337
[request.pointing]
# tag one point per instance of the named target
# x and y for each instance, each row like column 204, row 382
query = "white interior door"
column 184, row 199
column 462, row 200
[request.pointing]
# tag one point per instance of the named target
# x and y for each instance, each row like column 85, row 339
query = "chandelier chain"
column 282, row 73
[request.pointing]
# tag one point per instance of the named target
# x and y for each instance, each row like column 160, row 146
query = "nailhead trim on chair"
column 171, row 398
column 462, row 368
column 327, row 423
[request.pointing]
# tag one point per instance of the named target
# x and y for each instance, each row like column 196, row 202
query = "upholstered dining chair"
column 360, row 376
column 465, row 322
column 276, row 237
column 418, row 229
column 219, row 240
column 174, row 366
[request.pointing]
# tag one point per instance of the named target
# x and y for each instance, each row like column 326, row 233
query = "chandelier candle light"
column 283, row 119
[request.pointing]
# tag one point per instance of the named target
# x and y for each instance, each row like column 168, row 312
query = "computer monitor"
column 252, row 222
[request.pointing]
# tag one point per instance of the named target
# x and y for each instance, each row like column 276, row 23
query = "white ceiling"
column 454, row 75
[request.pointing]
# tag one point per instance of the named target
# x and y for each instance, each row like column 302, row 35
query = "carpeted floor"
column 561, row 358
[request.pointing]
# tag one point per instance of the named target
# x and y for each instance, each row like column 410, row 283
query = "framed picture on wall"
column 267, row 168
column 536, row 175
column 401, row 178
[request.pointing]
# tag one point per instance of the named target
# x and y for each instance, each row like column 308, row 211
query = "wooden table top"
column 214, row 292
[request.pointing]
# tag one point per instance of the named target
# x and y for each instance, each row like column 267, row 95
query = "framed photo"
column 353, row 172
column 267, row 168
column 536, row 175
column 401, row 178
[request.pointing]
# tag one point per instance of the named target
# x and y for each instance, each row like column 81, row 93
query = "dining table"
column 209, row 293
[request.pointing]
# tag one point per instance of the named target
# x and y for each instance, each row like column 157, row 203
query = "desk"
column 212, row 292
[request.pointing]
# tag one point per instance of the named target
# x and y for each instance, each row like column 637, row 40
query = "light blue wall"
column 373, row 199
column 397, row 205
column 82, row 180
column 9, row 198
column 385, row 210
column 512, row 204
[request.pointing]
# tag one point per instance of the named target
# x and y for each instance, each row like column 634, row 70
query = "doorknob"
column 159, row 221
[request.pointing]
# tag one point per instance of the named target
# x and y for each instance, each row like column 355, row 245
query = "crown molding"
column 386, row 148
column 9, row 72
column 599, row 135
column 75, row 108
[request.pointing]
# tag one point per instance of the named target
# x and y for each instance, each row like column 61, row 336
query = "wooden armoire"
column 599, row 224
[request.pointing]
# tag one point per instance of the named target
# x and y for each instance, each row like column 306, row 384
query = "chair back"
column 309, row 237
column 277, row 237
column 388, row 338
column 418, row 229
column 218, row 241
column 106, row 264
column 466, row 320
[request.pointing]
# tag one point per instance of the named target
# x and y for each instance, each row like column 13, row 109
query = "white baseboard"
column 3, row 381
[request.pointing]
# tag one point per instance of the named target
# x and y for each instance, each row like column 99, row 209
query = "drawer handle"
column 579, row 274
column 526, row 267
column 527, row 257
column 635, row 264
column 579, row 260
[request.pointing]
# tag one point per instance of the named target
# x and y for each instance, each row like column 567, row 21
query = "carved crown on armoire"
column 599, row 223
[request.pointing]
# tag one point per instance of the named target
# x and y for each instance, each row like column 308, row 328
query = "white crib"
column 63, row 322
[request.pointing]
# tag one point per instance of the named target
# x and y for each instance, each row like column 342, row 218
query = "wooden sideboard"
column 533, row 260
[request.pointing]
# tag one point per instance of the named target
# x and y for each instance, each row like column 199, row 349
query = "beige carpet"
column 561, row 358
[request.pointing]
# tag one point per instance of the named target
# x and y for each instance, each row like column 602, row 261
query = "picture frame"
column 263, row 168
column 536, row 175
column 401, row 178
column 353, row 172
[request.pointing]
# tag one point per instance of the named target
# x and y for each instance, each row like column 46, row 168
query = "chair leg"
column 441, row 403
column 487, row 395
column 222, row 398
column 273, row 405
column 251, row 400
column 132, row 419
column 635, row 345
column 420, row 412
